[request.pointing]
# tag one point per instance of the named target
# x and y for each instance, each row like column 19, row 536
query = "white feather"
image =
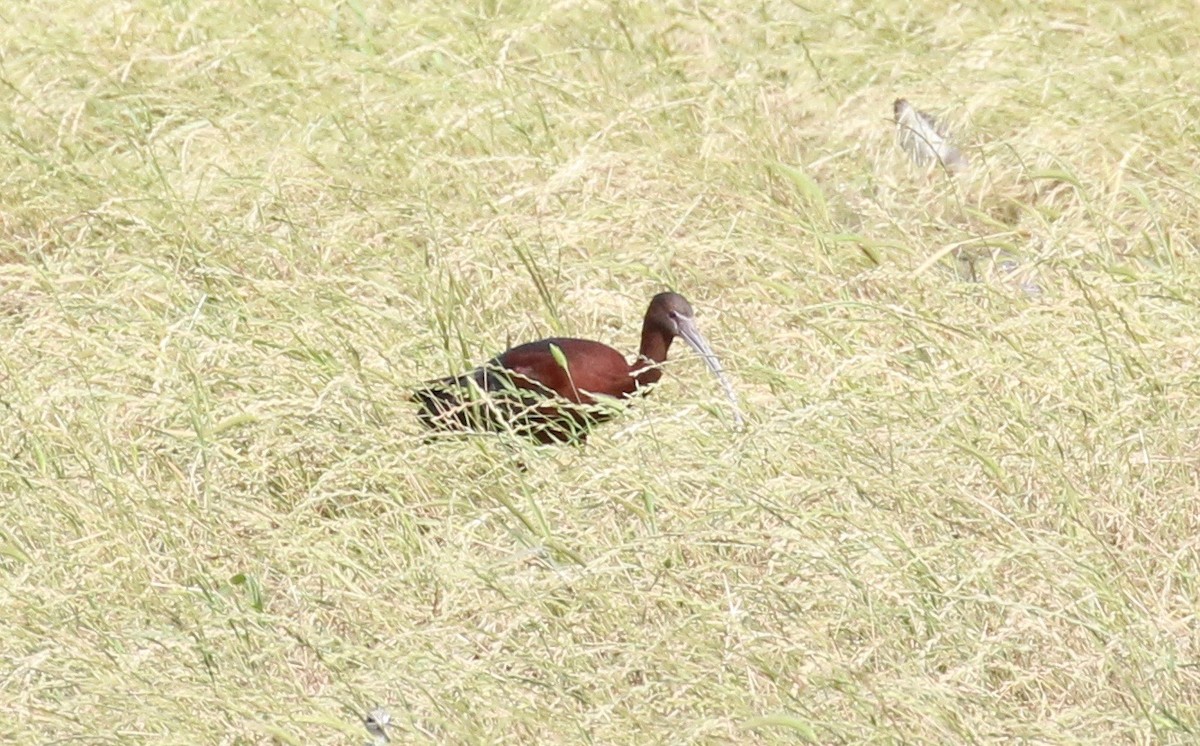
column 925, row 141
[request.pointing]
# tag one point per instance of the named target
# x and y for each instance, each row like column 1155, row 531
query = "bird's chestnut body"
column 555, row 389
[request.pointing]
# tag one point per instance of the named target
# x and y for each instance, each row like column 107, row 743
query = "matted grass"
column 233, row 236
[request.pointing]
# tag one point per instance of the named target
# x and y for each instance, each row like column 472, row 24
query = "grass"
column 233, row 236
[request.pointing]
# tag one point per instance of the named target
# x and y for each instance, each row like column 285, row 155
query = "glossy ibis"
column 555, row 389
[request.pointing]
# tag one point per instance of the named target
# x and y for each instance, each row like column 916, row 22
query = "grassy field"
column 233, row 236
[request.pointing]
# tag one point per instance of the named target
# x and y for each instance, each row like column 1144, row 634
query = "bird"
column 924, row 139
column 554, row 390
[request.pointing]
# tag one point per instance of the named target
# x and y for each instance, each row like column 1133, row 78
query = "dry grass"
column 232, row 235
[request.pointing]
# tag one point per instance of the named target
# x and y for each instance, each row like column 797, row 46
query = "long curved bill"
column 696, row 340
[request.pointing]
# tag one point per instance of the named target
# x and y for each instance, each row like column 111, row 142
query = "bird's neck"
column 651, row 355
